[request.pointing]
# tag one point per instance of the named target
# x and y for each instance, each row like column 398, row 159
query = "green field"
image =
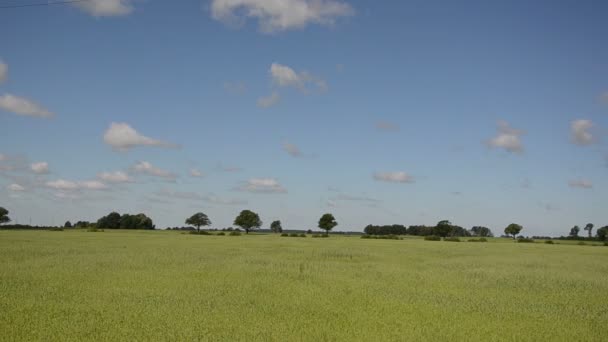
column 160, row 285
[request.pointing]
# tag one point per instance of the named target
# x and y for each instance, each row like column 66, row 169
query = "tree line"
column 442, row 228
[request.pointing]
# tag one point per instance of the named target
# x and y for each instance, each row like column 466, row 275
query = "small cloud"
column 122, row 137
column 115, row 177
column 16, row 187
column 393, row 177
column 3, row 71
column 40, row 168
column 284, row 76
column 269, row 101
column 580, row 183
column 507, row 138
column 105, row 8
column 236, row 88
column 292, row 149
column 387, row 126
column 147, row 168
column 262, row 185
column 277, row 16
column 23, row 106
column 580, row 132
column 196, row 173
column 66, row 185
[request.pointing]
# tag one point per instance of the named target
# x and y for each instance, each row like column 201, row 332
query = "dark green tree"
column 68, row 224
column 4, row 216
column 481, row 231
column 199, row 219
column 574, row 231
column 513, row 229
column 602, row 233
column 327, row 222
column 589, row 228
column 248, row 220
column 111, row 221
column 276, row 227
column 443, row 228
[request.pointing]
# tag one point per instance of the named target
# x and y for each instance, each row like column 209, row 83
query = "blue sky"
column 410, row 112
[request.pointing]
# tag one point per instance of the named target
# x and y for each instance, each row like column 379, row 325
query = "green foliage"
column 327, row 222
column 481, row 231
column 285, row 235
column 525, row 240
column 68, row 224
column 602, row 233
column 276, row 227
column 549, row 242
column 302, row 235
column 582, row 243
column 235, row 233
column 589, row 229
column 293, row 234
column 478, row 240
column 94, row 230
column 248, row 220
column 513, row 229
column 199, row 232
column 432, row 238
column 574, row 231
column 115, row 221
column 442, row 228
column 221, row 233
column 451, row 239
column 4, row 216
column 199, row 219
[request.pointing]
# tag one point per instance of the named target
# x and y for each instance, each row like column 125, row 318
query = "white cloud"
column 66, row 185
column 114, row 177
column 507, row 138
column 580, row 183
column 196, row 173
column 105, row 8
column 387, row 126
column 292, row 149
column 3, row 71
column 40, row 168
column 145, row 167
column 393, row 177
column 23, row 106
column 262, row 185
column 269, row 100
column 122, row 137
column 580, row 132
column 284, row 76
column 280, row 15
column 16, row 187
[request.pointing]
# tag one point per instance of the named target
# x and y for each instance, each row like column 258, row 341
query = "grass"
column 149, row 285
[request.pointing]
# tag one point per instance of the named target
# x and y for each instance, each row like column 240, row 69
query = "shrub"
column 478, row 240
column 582, row 243
column 451, row 239
column 302, row 235
column 525, row 240
column 221, row 233
column 284, row 234
column 293, row 235
column 605, row 243
column 432, row 238
column 549, row 242
column 202, row 232
column 235, row 233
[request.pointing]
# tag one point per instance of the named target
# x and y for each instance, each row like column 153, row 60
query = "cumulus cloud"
column 393, row 177
column 66, row 185
column 23, row 106
column 105, row 8
column 122, row 137
column 580, row 183
column 3, row 71
column 387, row 126
column 276, row 16
column 292, row 149
column 196, row 173
column 262, row 185
column 145, row 167
column 269, row 101
column 16, row 187
column 40, row 168
column 284, row 76
column 507, row 138
column 580, row 132
column 114, row 177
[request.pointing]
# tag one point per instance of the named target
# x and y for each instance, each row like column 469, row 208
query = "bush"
column 235, row 233
column 605, row 243
column 202, row 232
column 432, row 238
column 478, row 240
column 549, row 242
column 525, row 240
column 293, row 235
column 302, row 235
column 221, row 233
column 451, row 239
column 284, row 235
column 366, row 236
column 582, row 243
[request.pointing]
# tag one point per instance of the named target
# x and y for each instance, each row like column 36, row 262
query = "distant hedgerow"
column 235, row 233
column 94, row 230
column 525, row 240
column 432, row 238
column 284, row 235
column 478, row 240
column 202, row 232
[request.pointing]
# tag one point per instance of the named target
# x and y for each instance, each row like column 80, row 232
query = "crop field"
column 158, row 285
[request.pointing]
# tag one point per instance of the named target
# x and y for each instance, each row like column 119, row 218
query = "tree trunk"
column 246, row 231
column 198, row 229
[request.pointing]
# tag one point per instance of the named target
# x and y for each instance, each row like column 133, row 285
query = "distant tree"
column 443, row 228
column 602, row 233
column 574, row 231
column 82, row 224
column 248, row 220
column 309, row 231
column 513, row 229
column 275, row 227
column 4, row 216
column 481, row 231
column 68, row 224
column 589, row 228
column 199, row 219
column 111, row 221
column 327, row 222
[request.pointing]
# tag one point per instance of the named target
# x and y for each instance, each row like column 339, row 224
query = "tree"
column 513, row 229
column 112, row 221
column 327, row 222
column 602, row 233
column 589, row 228
column 68, row 224
column 574, row 231
column 275, row 227
column 248, row 220
column 4, row 216
column 198, row 220
column 481, row 231
column 443, row 228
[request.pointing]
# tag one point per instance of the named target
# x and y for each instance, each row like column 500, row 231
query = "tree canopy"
column 248, row 220
column 276, row 227
column 199, row 219
column 4, row 216
column 589, row 228
column 327, row 222
column 115, row 221
column 443, row 228
column 574, row 231
column 513, row 229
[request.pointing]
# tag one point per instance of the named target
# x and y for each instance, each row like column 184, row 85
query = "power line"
column 48, row 3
